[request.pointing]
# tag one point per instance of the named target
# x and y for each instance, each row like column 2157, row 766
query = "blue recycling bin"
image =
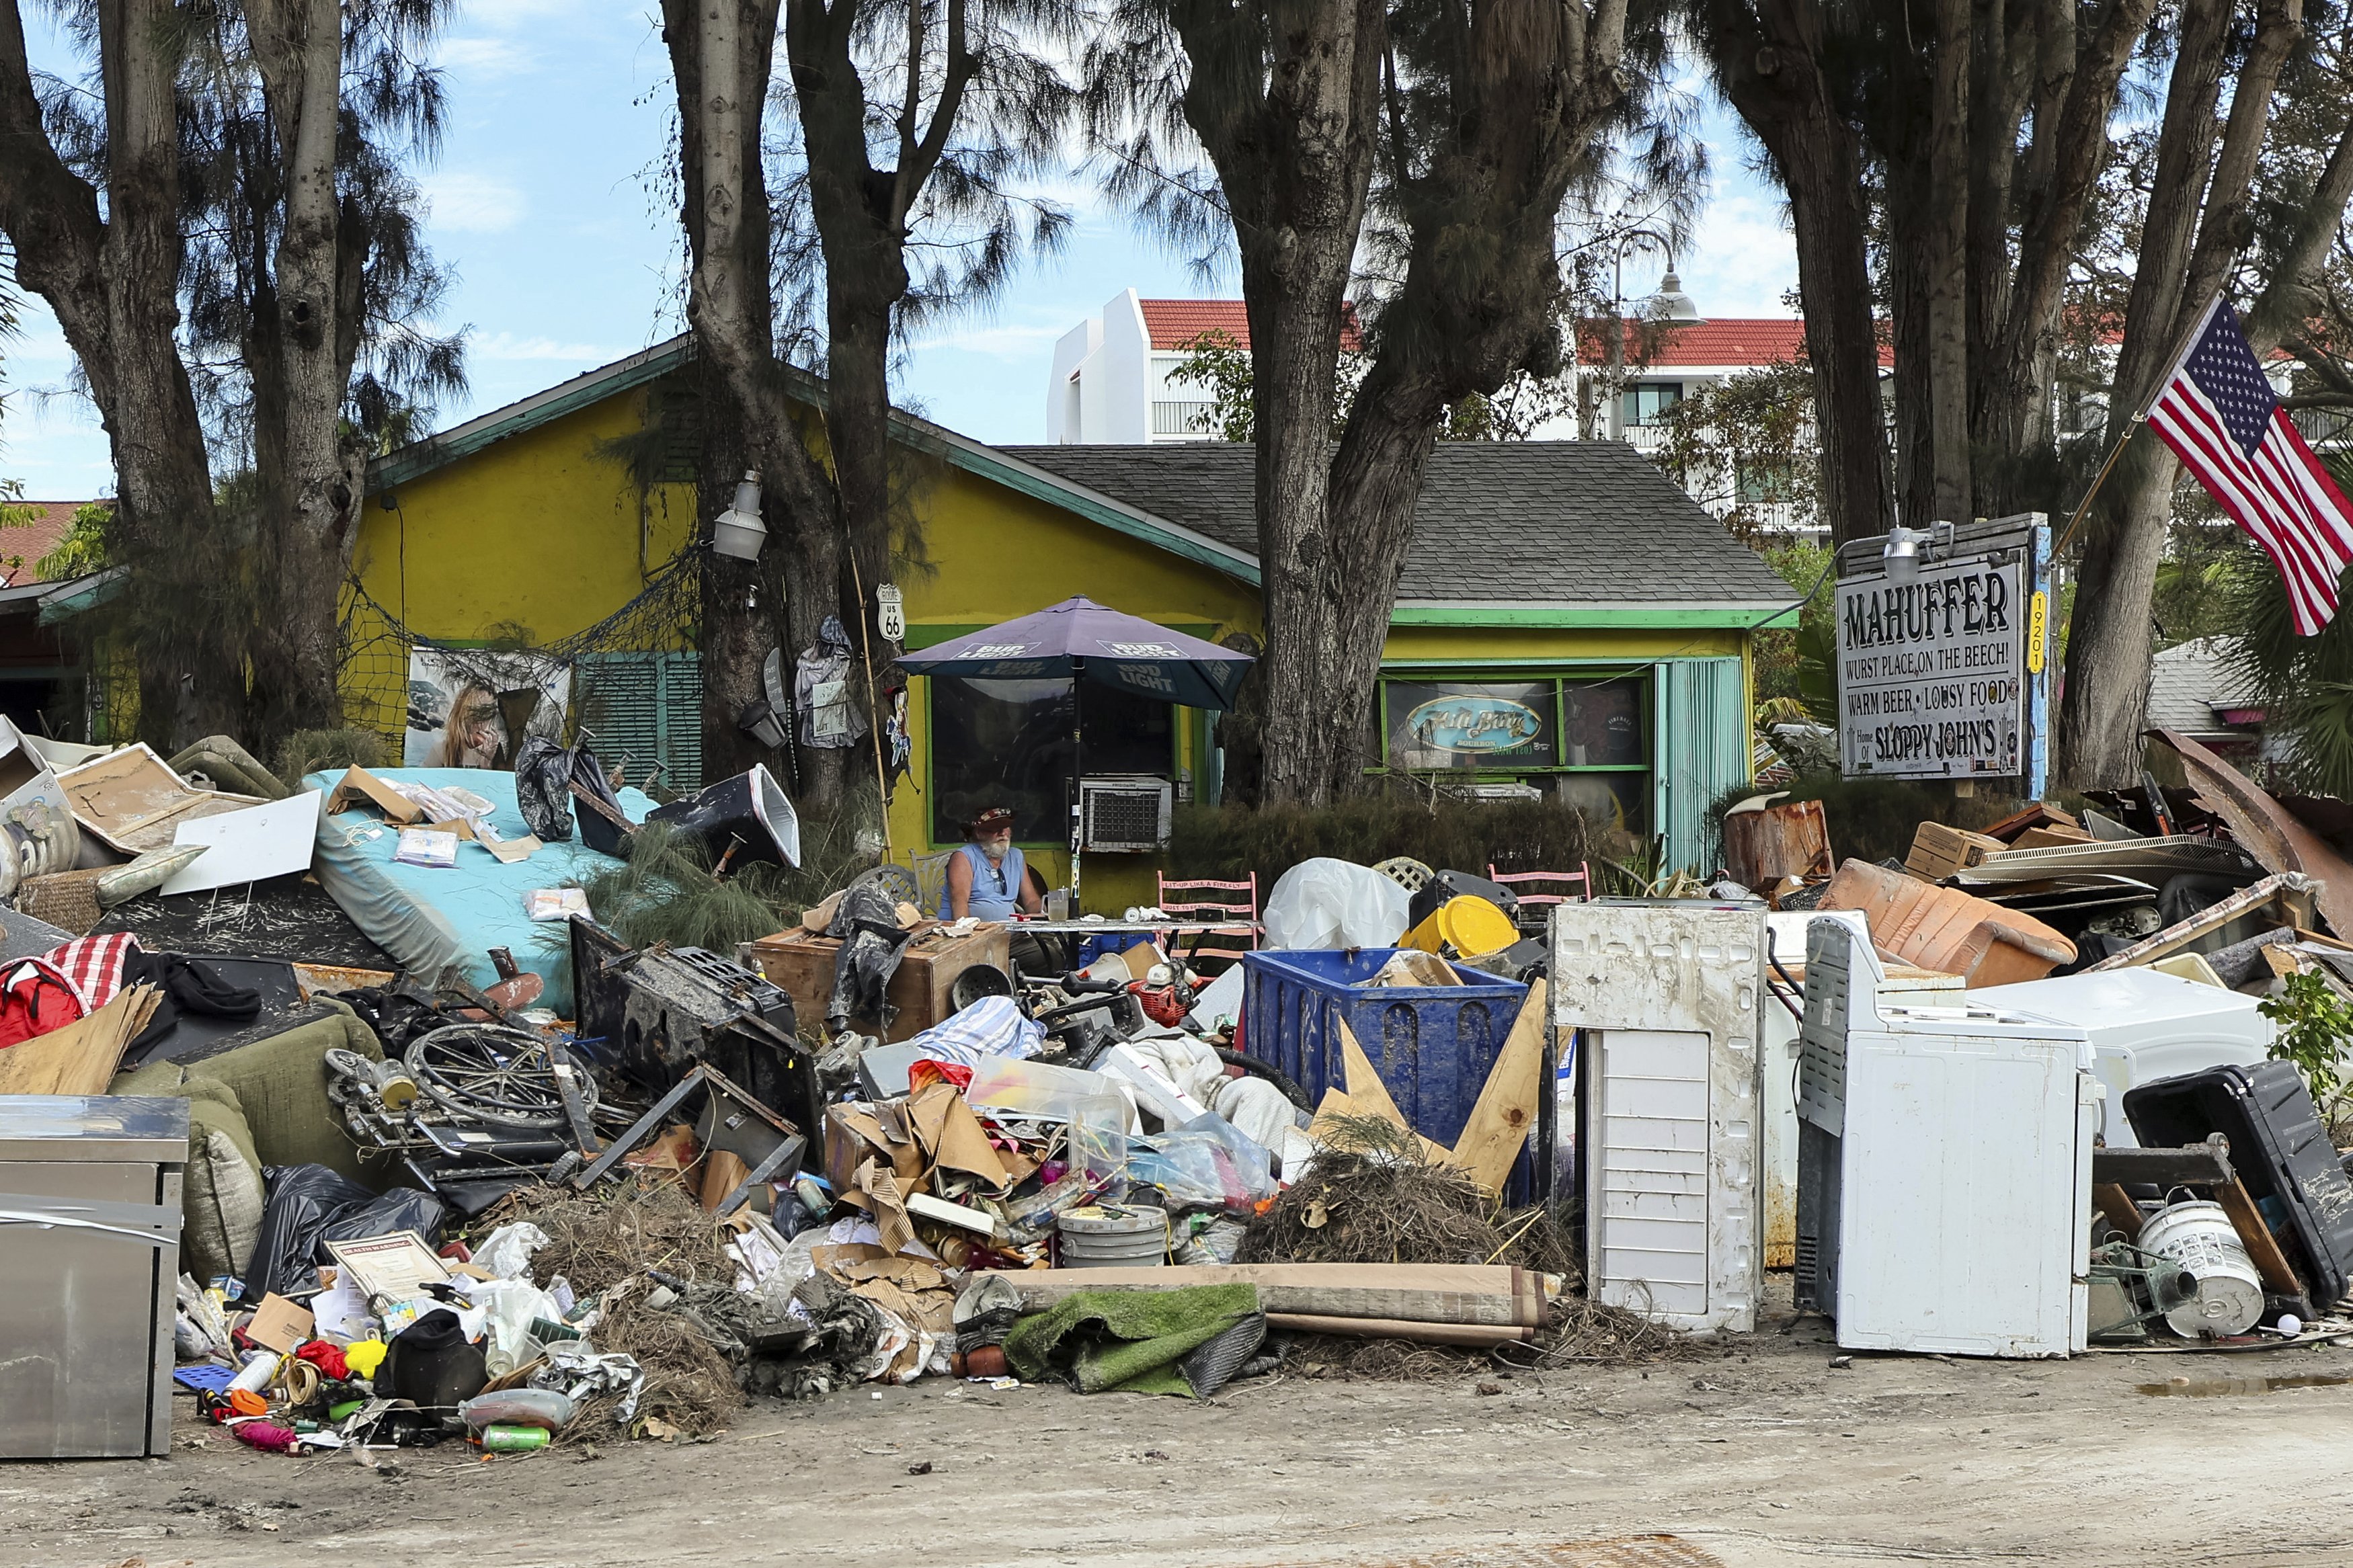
column 1434, row 1045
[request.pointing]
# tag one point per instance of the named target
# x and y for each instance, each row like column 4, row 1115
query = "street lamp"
column 738, row 531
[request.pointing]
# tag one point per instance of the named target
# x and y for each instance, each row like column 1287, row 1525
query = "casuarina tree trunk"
column 309, row 511
column 113, row 284
column 1770, row 66
column 1286, row 104
column 720, row 51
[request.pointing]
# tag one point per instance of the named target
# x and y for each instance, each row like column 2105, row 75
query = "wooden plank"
column 2256, row 1237
column 2113, row 1201
column 1478, row 1336
column 1367, row 1093
column 1506, row 1112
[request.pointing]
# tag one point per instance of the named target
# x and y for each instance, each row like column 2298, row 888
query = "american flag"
column 2218, row 413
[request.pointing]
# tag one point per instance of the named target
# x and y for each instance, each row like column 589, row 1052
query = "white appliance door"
column 1963, row 1170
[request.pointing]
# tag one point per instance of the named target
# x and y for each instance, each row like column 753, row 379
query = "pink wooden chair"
column 1213, row 900
column 1580, row 880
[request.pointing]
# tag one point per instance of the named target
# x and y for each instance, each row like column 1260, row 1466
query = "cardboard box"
column 800, row 963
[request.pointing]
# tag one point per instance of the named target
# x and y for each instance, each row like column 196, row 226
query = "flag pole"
column 2173, row 368
column 2085, row 506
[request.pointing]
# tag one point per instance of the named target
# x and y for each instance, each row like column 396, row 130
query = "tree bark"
column 113, row 283
column 720, row 54
column 1943, row 237
column 309, row 511
column 1770, row 66
column 1284, row 100
column 2194, row 225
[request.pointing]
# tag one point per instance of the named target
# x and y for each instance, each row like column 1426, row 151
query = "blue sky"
column 540, row 205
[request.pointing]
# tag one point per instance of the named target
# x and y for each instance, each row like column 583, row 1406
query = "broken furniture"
column 1945, row 1166
column 1664, row 999
column 1946, row 930
column 921, row 994
column 655, row 1014
column 91, row 1215
column 2281, row 1151
column 732, row 1123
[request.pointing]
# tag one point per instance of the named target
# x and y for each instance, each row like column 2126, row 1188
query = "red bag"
column 35, row 998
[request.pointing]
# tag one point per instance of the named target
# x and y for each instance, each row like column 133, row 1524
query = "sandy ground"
column 1765, row 1454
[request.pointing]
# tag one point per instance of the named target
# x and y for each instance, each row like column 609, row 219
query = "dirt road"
column 1767, row 1455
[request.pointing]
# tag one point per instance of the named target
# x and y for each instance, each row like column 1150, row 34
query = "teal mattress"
column 429, row 918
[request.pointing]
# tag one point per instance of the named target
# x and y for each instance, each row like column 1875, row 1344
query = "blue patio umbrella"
column 1079, row 640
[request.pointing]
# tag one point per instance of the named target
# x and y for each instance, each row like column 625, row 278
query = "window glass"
column 1621, row 801
column 1647, row 402
column 1008, row 743
column 1472, row 724
column 1601, row 724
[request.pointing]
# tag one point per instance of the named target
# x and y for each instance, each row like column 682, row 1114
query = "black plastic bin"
column 2280, row 1150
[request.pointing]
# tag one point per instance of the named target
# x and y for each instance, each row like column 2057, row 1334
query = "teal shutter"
column 1703, row 752
column 638, row 709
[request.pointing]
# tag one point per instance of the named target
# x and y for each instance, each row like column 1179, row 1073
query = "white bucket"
column 2200, row 1237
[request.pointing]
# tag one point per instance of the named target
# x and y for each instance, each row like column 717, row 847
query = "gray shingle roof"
column 1547, row 522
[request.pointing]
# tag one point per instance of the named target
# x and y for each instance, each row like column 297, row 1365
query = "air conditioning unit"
column 1123, row 813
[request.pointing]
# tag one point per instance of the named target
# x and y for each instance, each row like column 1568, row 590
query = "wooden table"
column 801, row 962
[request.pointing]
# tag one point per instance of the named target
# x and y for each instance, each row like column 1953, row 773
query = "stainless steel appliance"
column 90, row 1251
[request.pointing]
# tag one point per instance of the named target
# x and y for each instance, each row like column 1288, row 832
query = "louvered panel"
column 640, row 708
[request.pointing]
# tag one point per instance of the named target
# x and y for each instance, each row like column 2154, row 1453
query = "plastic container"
column 1018, row 1087
column 2281, row 1153
column 543, row 1407
column 261, row 1366
column 1114, row 1237
column 1434, row 1045
column 2200, row 1237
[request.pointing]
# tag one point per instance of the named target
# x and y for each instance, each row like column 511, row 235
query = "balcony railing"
column 1186, row 418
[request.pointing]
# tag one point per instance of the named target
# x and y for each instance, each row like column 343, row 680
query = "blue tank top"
column 995, row 888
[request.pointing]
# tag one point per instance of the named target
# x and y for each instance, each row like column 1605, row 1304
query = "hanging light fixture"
column 738, row 531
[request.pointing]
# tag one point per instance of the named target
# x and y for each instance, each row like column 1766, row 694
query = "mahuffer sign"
column 1931, row 672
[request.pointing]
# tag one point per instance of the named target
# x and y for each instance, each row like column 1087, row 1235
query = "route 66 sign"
column 891, row 612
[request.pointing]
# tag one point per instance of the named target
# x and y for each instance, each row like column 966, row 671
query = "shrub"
column 306, row 751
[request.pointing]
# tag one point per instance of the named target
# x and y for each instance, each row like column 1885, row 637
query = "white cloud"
column 474, row 203
column 509, row 346
column 481, row 60
column 1742, row 260
column 1000, row 340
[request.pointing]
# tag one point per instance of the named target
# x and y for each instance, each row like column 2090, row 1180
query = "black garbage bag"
column 310, row 1206
column 873, row 941
column 606, row 834
column 542, row 789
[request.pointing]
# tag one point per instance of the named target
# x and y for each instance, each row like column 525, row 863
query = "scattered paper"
column 554, row 903
column 424, row 846
column 399, row 1265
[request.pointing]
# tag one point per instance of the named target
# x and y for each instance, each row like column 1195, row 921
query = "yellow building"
column 1568, row 620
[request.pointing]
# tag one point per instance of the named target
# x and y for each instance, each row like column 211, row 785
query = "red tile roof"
column 1174, row 323
column 1733, row 341
column 23, row 545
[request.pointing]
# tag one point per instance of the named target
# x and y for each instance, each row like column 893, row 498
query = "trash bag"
column 543, row 788
column 431, row 1364
column 310, row 1206
column 1326, row 903
column 873, row 941
column 601, row 833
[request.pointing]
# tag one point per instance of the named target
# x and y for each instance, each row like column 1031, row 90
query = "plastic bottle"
column 508, row 1439
column 540, row 1407
column 259, row 1368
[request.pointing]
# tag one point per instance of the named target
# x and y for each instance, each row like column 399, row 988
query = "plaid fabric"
column 92, row 966
column 992, row 1026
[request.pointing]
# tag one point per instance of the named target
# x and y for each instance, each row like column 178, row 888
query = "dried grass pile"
column 612, row 1237
column 1372, row 1197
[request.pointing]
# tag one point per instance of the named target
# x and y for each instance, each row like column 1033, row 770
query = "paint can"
column 2201, row 1239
